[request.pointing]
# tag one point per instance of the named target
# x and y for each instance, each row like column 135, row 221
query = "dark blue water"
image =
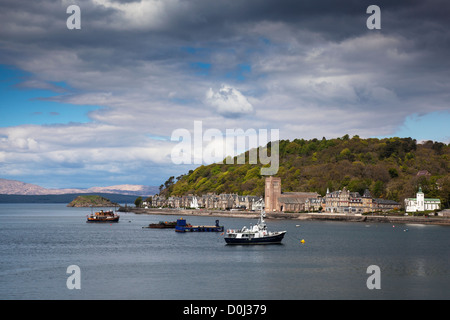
column 123, row 261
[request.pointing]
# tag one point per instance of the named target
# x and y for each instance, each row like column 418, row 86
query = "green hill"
column 391, row 168
column 91, row 201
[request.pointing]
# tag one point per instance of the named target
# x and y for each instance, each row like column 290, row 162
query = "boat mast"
column 261, row 218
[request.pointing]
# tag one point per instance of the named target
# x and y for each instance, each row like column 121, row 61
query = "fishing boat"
column 103, row 216
column 183, row 226
column 162, row 225
column 258, row 234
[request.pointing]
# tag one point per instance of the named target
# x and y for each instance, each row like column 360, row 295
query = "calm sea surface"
column 124, row 261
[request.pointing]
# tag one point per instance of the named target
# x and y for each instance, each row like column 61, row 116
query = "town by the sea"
column 336, row 260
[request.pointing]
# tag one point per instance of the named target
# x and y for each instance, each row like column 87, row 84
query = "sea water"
column 38, row 242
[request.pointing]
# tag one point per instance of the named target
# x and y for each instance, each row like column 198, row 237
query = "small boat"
column 183, row 226
column 258, row 234
column 162, row 225
column 103, row 216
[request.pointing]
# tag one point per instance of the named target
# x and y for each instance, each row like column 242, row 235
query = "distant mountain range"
column 13, row 187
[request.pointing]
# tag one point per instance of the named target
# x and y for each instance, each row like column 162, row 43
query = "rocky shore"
column 296, row 216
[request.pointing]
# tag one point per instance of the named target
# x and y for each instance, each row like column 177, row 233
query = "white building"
column 420, row 203
column 194, row 203
column 258, row 205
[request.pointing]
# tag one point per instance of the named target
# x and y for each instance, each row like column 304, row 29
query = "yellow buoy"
column 302, row 241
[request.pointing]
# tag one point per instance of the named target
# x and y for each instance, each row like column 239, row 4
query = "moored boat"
column 103, row 216
column 183, row 226
column 258, row 234
column 162, row 225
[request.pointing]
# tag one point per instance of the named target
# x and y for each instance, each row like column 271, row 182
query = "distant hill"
column 13, row 187
column 391, row 168
column 18, row 187
column 62, row 198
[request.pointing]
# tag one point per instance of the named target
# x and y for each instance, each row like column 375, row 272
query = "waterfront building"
column 278, row 201
column 345, row 201
column 258, row 205
column 420, row 203
column 315, row 204
column 384, row 205
column 207, row 201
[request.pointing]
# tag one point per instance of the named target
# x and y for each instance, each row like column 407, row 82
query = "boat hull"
column 199, row 229
column 115, row 219
column 169, row 225
column 275, row 239
column 183, row 226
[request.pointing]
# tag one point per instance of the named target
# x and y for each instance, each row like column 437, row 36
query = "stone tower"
column 272, row 193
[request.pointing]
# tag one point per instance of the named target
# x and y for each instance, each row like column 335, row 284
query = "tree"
column 393, row 173
column 169, row 182
column 346, row 154
column 444, row 192
column 138, row 202
column 377, row 189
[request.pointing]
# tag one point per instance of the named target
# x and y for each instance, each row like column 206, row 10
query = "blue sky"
column 97, row 106
column 22, row 105
column 428, row 126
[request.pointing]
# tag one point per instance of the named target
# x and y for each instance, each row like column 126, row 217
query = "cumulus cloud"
column 96, row 150
column 229, row 102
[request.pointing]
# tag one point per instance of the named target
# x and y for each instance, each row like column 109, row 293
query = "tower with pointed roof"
column 420, row 196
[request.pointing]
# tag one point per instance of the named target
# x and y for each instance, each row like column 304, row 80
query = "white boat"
column 258, row 234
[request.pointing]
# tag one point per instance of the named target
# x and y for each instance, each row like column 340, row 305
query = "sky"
column 97, row 106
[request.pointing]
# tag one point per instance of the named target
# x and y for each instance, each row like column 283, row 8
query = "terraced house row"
column 207, row 201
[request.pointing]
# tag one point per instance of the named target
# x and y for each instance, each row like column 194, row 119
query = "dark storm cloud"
column 119, row 37
column 222, row 24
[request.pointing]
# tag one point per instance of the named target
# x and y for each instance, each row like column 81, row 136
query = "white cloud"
column 229, row 102
column 80, row 150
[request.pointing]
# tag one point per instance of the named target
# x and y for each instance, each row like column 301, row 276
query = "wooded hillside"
column 91, row 201
column 391, row 168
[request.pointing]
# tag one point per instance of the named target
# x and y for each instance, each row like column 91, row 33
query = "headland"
column 91, row 201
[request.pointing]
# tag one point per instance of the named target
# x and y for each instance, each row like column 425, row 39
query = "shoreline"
column 444, row 221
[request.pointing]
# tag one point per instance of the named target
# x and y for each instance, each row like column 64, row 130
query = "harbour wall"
column 435, row 220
